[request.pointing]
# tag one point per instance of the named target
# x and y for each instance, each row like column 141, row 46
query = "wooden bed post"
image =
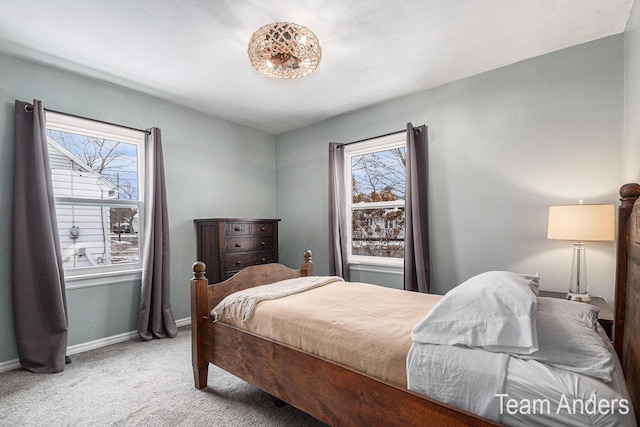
column 628, row 195
column 199, row 311
column 307, row 265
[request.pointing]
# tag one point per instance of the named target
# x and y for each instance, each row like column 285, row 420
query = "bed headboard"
column 626, row 328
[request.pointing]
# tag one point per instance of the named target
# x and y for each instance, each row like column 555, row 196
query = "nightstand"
column 605, row 316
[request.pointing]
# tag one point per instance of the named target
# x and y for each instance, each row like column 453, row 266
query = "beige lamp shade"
column 581, row 223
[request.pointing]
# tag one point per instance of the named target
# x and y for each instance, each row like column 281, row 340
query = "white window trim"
column 378, row 269
column 73, row 124
column 109, row 274
column 377, row 144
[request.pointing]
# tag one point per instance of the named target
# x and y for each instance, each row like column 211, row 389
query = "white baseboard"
column 91, row 345
column 9, row 365
column 183, row 322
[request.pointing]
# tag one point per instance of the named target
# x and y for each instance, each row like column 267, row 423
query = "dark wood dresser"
column 227, row 245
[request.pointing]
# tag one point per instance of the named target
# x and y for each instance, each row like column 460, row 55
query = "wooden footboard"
column 332, row 393
column 205, row 296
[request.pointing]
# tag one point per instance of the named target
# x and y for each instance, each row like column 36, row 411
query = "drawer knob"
column 237, row 229
column 238, row 262
column 263, row 243
column 262, row 228
column 237, row 245
column 263, row 260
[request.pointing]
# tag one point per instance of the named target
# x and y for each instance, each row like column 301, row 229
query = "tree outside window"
column 376, row 173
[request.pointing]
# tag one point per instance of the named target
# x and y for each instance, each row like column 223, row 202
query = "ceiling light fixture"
column 284, row 50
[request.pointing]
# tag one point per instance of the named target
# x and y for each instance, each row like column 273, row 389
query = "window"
column 375, row 181
column 97, row 173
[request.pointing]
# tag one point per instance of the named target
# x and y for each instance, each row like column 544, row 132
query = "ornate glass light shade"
column 284, row 50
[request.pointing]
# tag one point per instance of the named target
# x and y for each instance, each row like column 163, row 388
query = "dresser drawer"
column 247, row 244
column 234, row 263
column 262, row 229
column 237, row 229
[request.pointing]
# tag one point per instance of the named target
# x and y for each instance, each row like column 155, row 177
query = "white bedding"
column 451, row 374
column 557, row 397
column 526, row 393
column 569, row 376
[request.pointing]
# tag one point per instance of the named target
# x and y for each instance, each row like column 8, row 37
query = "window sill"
column 102, row 278
column 377, row 267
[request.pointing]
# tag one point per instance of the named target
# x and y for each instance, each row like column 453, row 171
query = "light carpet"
column 138, row 383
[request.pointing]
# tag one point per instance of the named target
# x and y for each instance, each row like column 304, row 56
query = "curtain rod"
column 29, row 108
column 380, row 136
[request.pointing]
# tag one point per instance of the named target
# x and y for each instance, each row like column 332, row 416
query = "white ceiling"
column 194, row 52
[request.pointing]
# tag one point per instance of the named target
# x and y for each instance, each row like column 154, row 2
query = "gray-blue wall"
column 213, row 168
column 503, row 147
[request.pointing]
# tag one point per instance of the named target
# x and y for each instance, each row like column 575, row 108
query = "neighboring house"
column 84, row 230
column 127, row 228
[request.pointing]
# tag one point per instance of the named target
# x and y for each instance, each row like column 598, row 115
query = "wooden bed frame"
column 339, row 395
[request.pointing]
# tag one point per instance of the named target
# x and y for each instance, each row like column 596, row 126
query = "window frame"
column 373, row 145
column 103, row 274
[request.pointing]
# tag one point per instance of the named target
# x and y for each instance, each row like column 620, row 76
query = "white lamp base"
column 578, row 297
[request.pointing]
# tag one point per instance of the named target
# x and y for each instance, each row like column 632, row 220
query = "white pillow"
column 568, row 339
column 534, row 283
column 495, row 310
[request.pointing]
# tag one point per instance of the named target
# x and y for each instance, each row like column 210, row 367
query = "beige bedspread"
column 363, row 326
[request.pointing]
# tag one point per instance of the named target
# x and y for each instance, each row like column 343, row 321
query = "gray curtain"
column 338, row 265
column 155, row 319
column 39, row 298
column 416, row 249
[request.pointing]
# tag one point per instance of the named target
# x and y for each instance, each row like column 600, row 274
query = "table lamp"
column 581, row 223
